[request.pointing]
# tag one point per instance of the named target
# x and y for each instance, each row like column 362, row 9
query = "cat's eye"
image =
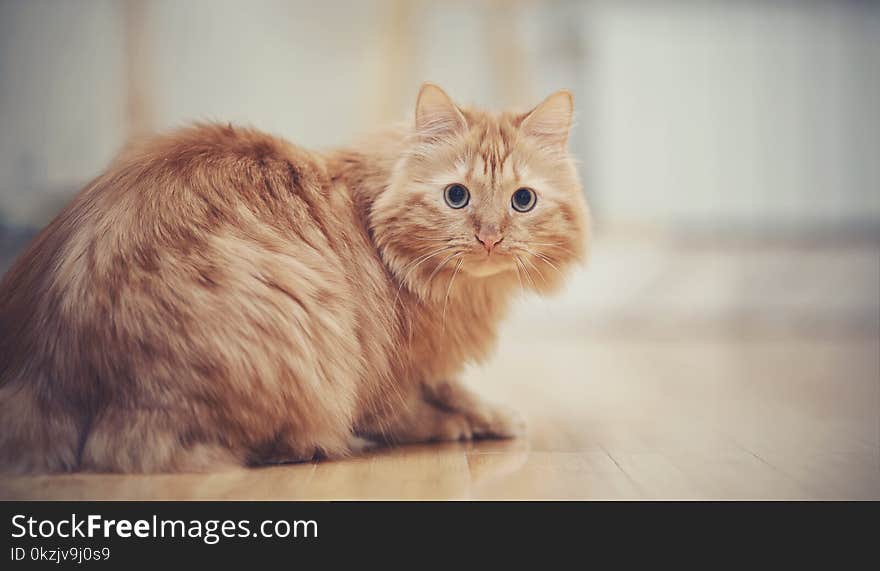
column 523, row 200
column 456, row 196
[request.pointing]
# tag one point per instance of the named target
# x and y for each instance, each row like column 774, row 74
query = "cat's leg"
column 289, row 449
column 168, row 439
column 325, row 438
column 38, row 435
column 152, row 440
column 486, row 419
column 444, row 411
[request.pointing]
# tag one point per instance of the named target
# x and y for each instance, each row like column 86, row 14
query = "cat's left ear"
column 551, row 120
column 436, row 114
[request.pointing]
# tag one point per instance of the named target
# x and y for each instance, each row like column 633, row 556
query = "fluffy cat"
column 223, row 297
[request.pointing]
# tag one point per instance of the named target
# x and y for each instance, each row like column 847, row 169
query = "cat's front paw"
column 498, row 422
column 487, row 422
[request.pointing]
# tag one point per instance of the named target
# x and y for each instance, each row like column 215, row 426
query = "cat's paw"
column 487, row 422
column 498, row 422
column 452, row 426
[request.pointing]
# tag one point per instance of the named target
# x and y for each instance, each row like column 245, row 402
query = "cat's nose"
column 489, row 238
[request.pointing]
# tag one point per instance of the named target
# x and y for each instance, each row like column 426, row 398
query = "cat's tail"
column 36, row 438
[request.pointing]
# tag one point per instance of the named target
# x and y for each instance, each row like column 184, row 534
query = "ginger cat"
column 223, row 297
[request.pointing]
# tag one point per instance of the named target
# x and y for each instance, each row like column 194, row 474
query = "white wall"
column 300, row 69
column 61, row 114
column 755, row 114
column 762, row 113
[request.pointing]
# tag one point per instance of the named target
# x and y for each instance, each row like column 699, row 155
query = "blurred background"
column 730, row 152
column 749, row 123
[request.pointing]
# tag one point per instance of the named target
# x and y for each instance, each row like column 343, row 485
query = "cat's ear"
column 436, row 114
column 550, row 121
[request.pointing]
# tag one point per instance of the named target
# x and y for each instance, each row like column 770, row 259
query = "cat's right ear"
column 436, row 114
column 550, row 121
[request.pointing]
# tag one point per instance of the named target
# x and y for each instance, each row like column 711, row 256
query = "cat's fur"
column 220, row 296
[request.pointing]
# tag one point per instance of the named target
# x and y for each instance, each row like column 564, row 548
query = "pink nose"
column 489, row 239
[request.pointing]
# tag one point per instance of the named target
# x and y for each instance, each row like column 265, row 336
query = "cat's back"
column 201, row 224
column 170, row 193
column 221, row 173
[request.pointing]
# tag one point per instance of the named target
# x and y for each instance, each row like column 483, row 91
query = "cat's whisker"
column 449, row 289
column 543, row 279
column 553, row 245
column 525, row 270
column 529, row 276
column 544, row 258
column 547, row 261
column 438, row 268
column 415, row 264
column 538, row 254
column 522, row 288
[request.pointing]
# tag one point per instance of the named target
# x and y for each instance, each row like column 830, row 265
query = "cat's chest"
column 443, row 337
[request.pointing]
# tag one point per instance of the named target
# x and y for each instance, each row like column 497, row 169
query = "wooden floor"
column 757, row 398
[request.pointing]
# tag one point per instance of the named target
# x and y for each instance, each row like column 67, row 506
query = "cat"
column 221, row 298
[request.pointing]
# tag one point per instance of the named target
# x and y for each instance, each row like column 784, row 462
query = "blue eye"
column 523, row 200
column 456, row 196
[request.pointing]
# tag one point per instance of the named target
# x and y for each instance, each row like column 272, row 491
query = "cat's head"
column 483, row 196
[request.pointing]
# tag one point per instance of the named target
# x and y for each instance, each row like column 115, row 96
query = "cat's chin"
column 487, row 268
